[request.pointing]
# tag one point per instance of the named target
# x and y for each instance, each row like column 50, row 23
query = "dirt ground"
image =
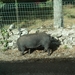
column 14, row 55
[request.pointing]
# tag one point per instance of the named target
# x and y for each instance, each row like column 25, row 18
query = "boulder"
column 13, row 37
column 24, row 31
column 15, row 31
column 33, row 31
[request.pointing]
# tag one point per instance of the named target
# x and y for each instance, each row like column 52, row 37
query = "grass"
column 65, row 47
column 69, row 15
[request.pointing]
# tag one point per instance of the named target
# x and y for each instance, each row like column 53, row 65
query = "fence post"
column 16, row 7
column 17, row 18
column 58, row 13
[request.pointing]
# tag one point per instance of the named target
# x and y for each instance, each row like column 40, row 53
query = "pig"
column 35, row 40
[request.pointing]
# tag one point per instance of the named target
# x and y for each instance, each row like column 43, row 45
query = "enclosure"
column 28, row 13
column 35, row 14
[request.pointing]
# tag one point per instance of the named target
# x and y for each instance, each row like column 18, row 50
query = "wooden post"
column 17, row 18
column 16, row 10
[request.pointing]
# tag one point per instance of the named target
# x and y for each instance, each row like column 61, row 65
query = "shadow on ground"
column 38, row 67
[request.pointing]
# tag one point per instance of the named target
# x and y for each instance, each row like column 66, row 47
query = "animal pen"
column 37, row 14
column 28, row 13
column 32, row 13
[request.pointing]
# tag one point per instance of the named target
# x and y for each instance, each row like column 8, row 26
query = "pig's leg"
column 22, row 49
column 46, row 48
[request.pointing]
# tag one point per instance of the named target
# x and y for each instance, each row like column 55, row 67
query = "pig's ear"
column 52, row 38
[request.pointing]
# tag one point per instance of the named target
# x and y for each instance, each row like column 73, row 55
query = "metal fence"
column 28, row 13
column 69, row 13
column 35, row 13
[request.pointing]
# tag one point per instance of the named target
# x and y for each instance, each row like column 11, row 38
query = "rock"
column 42, row 30
column 12, row 45
column 12, row 26
column 73, row 35
column 72, row 31
column 56, row 33
column 65, row 33
column 33, row 31
column 69, row 46
column 49, row 32
column 73, row 42
column 65, row 42
column 24, row 31
column 15, row 32
column 69, row 40
column 13, row 37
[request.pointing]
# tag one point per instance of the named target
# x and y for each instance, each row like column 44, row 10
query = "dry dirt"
column 14, row 55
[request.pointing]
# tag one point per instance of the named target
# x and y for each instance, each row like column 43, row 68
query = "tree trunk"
column 58, row 14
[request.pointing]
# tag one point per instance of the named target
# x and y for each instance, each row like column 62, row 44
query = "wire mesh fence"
column 35, row 13
column 28, row 13
column 69, row 13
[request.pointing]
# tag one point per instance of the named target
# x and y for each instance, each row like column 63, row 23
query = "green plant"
column 5, row 35
column 1, row 42
column 65, row 47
